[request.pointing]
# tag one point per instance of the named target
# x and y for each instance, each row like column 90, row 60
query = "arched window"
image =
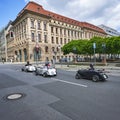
column 46, row 49
column 37, row 54
column 20, row 55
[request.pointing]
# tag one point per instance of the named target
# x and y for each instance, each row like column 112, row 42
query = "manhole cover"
column 14, row 96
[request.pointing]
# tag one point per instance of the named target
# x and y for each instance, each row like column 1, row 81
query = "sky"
column 96, row 12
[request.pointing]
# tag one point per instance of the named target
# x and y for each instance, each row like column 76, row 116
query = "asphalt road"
column 57, row 98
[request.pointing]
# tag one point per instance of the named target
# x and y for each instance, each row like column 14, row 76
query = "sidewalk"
column 77, row 67
column 111, row 66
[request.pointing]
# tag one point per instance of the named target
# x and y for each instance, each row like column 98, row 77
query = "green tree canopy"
column 111, row 45
column 75, row 46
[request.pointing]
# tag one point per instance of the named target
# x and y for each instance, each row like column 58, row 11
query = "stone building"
column 39, row 34
column 10, row 44
column 4, row 39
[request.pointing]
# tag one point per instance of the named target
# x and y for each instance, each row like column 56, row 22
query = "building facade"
column 2, row 44
column 39, row 34
column 110, row 31
column 4, row 37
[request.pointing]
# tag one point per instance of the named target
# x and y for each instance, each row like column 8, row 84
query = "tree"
column 109, row 45
column 75, row 46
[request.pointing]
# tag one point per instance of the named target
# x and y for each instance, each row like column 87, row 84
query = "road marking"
column 72, row 83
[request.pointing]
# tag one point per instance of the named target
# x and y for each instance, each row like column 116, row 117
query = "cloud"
column 96, row 12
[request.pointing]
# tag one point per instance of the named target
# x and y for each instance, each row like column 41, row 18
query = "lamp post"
column 59, row 47
column 74, row 51
column 104, row 54
column 94, row 47
column 37, row 51
column 55, row 52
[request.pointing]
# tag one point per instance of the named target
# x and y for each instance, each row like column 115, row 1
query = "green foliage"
column 110, row 45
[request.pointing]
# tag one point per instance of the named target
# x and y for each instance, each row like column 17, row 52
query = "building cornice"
column 37, row 9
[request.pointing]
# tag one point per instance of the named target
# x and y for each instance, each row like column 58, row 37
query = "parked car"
column 46, row 71
column 29, row 68
column 94, row 75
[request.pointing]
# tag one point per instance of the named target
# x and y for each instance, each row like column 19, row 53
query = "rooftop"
column 36, row 8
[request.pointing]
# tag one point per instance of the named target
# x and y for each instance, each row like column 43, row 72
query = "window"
column 39, row 37
column 85, row 34
column 68, row 32
column 45, row 38
column 11, row 34
column 61, row 41
column 38, row 25
column 78, row 35
column 56, row 30
column 45, row 26
column 71, row 33
column 61, row 31
column 81, row 34
column 64, row 31
column 51, row 29
column 75, row 33
column 52, row 39
column 46, row 49
column 68, row 40
column 33, row 37
column 32, row 24
column 56, row 40
column 38, row 9
column 64, row 41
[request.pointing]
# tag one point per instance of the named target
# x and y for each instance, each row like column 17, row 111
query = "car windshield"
column 50, row 67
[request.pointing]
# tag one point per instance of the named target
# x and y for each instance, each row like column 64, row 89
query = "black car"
column 94, row 75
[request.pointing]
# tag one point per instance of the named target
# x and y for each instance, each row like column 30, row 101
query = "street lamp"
column 37, row 51
column 94, row 47
column 59, row 47
column 74, row 51
column 55, row 52
column 104, row 54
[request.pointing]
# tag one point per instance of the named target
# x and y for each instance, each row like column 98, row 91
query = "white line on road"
column 72, row 83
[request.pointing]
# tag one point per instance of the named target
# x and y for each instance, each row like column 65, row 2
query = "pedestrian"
column 3, row 60
column 51, row 61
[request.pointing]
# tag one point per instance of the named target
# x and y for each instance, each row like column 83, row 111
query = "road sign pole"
column 94, row 47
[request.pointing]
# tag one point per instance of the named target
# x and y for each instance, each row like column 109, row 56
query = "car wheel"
column 55, row 75
column 36, row 73
column 44, row 74
column 95, row 78
column 77, row 76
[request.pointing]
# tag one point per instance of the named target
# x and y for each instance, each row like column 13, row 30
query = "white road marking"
column 72, row 83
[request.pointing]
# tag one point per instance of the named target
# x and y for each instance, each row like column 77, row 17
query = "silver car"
column 46, row 71
column 29, row 68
